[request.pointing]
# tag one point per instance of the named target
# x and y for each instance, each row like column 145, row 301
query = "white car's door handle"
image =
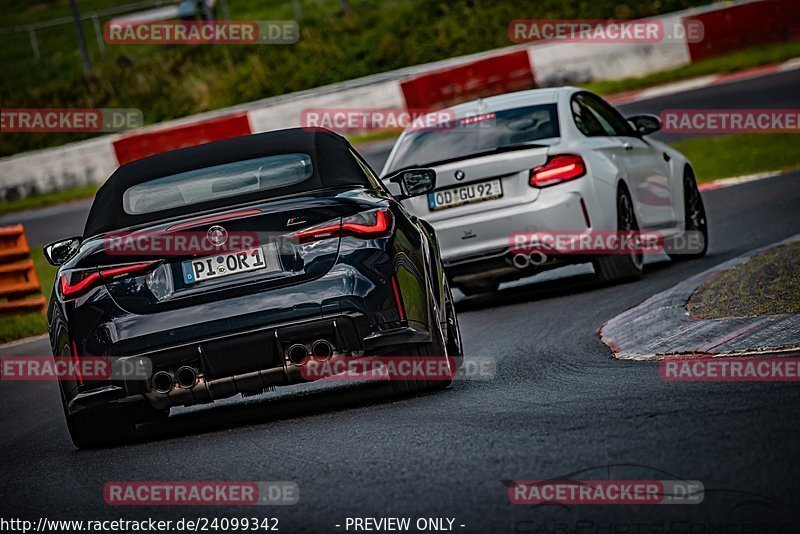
column 628, row 146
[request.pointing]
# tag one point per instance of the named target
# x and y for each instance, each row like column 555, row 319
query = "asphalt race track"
column 558, row 405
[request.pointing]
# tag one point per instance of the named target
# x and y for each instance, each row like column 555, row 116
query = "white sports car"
column 548, row 161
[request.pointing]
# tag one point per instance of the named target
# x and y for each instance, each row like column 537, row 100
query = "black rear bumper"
column 248, row 362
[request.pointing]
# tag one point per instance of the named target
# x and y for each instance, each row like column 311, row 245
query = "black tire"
column 101, row 427
column 410, row 386
column 455, row 348
column 433, row 351
column 695, row 220
column 479, row 288
column 619, row 267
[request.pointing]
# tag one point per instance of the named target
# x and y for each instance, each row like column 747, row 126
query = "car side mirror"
column 58, row 252
column 414, row 182
column 645, row 124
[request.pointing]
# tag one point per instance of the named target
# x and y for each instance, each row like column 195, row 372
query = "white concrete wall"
column 288, row 114
column 563, row 63
column 54, row 169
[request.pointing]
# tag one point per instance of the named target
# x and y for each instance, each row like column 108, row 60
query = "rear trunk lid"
column 469, row 180
column 260, row 251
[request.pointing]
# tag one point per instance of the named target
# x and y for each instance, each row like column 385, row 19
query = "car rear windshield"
column 480, row 133
column 219, row 181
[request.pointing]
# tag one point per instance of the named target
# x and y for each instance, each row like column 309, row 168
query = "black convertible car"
column 333, row 267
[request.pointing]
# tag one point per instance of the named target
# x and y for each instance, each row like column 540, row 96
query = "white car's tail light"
column 557, row 169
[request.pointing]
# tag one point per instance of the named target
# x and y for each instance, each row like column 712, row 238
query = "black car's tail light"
column 557, row 169
column 366, row 225
column 73, row 284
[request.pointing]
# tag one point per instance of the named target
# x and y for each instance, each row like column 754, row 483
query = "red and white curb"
column 738, row 180
column 660, row 327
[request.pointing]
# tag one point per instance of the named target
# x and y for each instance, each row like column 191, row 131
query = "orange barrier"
column 13, row 245
column 18, row 279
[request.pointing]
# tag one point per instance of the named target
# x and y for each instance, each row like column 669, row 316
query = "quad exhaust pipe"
column 535, row 258
column 186, row 377
column 163, row 382
column 297, row 354
column 321, row 350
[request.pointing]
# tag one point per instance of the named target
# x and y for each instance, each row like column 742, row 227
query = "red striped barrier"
column 481, row 78
column 741, row 26
column 140, row 145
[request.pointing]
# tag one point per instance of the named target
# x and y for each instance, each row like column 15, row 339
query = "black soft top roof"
column 333, row 166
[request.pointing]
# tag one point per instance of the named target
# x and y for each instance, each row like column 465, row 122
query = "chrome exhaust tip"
column 162, row 382
column 520, row 261
column 322, row 349
column 297, row 354
column 535, row 258
column 186, row 377
column 538, row 258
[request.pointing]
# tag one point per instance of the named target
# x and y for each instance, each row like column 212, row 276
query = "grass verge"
column 767, row 284
column 30, row 324
column 356, row 139
column 22, row 326
column 737, row 155
column 48, row 199
column 756, row 56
